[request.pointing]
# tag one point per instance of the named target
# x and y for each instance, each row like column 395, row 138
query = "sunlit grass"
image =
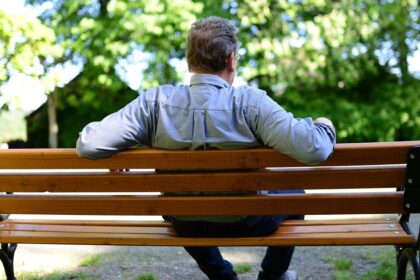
column 92, row 261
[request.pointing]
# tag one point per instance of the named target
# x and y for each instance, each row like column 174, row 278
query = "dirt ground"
column 174, row 263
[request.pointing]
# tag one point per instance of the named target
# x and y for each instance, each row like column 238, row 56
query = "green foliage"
column 91, row 261
column 101, row 33
column 147, row 276
column 24, row 43
column 98, row 35
column 241, row 268
column 76, row 108
column 26, row 46
column 346, row 60
column 322, row 58
column 12, row 126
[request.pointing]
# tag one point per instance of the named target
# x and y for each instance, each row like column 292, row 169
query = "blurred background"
column 64, row 63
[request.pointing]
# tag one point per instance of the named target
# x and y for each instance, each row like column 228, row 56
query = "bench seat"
column 156, row 233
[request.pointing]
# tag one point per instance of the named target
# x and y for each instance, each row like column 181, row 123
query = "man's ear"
column 231, row 62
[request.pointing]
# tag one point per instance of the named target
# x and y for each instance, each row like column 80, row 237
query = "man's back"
column 209, row 113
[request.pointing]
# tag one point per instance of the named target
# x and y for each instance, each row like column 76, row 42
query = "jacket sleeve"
column 121, row 130
column 301, row 139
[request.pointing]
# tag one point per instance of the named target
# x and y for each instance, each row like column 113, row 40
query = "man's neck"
column 225, row 75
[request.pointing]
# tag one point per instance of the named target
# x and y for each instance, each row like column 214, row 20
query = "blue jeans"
column 276, row 260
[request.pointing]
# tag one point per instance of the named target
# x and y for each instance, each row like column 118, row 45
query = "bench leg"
column 404, row 255
column 7, row 254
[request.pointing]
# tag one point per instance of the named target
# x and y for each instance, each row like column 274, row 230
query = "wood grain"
column 290, row 178
column 345, row 154
column 288, row 204
column 296, row 233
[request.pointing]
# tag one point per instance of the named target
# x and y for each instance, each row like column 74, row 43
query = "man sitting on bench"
column 211, row 113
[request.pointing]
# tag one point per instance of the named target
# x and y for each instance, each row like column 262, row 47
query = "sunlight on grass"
column 91, row 261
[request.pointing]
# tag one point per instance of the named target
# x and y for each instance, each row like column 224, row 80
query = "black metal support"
column 405, row 255
column 412, row 181
column 7, row 254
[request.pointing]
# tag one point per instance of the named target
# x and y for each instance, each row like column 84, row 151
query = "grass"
column 146, row 276
column 342, row 267
column 344, row 275
column 91, row 261
column 342, row 264
column 386, row 268
column 53, row 276
column 241, row 268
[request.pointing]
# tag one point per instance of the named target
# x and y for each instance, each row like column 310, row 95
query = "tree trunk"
column 402, row 48
column 52, row 121
column 403, row 59
column 103, row 11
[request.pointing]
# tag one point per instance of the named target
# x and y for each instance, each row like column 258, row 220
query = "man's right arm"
column 307, row 141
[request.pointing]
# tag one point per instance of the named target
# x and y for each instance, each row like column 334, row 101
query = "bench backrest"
column 85, row 187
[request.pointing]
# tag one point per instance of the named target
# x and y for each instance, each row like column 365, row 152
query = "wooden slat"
column 344, row 221
column 113, row 223
column 375, row 238
column 345, row 154
column 289, row 204
column 291, row 178
column 153, row 223
column 159, row 223
column 286, row 229
column 87, row 229
column 338, row 228
column 286, row 235
column 372, row 153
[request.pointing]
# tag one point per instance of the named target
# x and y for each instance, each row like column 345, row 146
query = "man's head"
column 212, row 43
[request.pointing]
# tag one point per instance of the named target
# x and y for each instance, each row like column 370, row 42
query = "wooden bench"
column 368, row 166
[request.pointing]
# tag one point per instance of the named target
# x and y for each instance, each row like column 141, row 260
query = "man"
column 211, row 113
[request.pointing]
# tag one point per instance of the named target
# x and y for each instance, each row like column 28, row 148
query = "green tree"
column 333, row 57
column 26, row 46
column 346, row 59
column 98, row 35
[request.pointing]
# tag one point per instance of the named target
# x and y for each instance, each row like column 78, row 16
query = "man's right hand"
column 325, row 121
